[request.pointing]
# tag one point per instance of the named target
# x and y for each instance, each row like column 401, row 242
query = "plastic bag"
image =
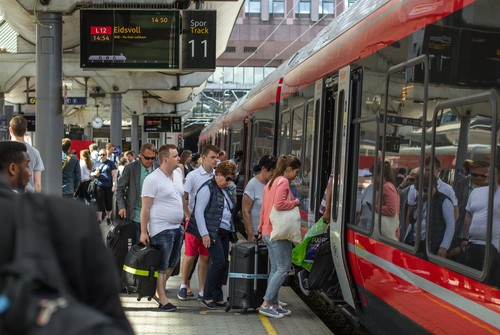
column 303, row 254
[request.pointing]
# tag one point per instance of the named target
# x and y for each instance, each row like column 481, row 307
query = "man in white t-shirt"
column 18, row 127
column 476, row 226
column 161, row 216
column 442, row 187
column 194, row 246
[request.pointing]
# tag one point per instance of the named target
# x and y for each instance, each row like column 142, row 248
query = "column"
column 134, row 134
column 48, row 99
column 116, row 119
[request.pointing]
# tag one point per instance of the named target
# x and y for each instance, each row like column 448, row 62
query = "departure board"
column 129, row 39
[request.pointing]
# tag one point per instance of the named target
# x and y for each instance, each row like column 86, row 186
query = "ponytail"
column 284, row 162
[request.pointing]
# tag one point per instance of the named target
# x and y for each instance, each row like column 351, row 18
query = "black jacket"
column 87, row 265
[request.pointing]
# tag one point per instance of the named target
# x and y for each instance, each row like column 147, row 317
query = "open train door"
column 337, row 225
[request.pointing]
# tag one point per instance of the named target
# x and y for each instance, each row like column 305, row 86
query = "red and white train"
column 395, row 80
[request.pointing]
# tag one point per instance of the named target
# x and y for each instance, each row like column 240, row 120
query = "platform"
column 192, row 318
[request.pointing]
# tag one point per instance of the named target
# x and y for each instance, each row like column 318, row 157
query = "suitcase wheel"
column 149, row 298
column 227, row 309
column 139, row 298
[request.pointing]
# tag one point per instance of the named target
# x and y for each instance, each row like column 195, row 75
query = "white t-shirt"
column 85, row 175
column 193, row 182
column 477, row 205
column 166, row 210
column 254, row 191
column 36, row 165
column 442, row 187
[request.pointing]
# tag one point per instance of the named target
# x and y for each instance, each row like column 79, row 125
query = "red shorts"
column 194, row 246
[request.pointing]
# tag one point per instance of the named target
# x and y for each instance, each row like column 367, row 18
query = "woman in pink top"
column 390, row 201
column 277, row 193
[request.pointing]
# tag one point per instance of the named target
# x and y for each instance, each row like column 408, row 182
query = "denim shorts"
column 169, row 242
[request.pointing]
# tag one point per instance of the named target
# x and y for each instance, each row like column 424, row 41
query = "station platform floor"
column 191, row 317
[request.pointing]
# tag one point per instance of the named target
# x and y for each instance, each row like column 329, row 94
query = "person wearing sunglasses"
column 211, row 220
column 476, row 237
column 105, row 173
column 477, row 177
column 129, row 188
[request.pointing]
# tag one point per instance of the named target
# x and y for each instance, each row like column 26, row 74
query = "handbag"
column 389, row 226
column 286, row 225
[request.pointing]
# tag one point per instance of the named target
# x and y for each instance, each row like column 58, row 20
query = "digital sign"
column 129, row 39
column 162, row 124
column 199, row 39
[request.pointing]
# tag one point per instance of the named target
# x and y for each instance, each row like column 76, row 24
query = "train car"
column 396, row 81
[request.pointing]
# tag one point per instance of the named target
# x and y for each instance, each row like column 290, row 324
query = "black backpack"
column 34, row 297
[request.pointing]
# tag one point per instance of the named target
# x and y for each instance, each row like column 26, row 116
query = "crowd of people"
column 458, row 219
column 200, row 201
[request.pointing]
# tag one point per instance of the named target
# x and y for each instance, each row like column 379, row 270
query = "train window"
column 460, row 226
column 307, row 167
column 284, row 132
column 365, row 181
column 297, row 131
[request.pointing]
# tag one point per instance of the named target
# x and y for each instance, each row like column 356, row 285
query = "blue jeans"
column 280, row 258
column 219, row 252
column 169, row 242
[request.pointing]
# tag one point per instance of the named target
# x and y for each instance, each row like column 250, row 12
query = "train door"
column 325, row 100
column 337, row 224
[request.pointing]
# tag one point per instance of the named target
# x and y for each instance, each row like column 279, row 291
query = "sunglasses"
column 149, row 158
column 229, row 178
column 478, row 175
column 102, row 155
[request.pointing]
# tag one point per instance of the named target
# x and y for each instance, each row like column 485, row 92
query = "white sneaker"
column 282, row 304
column 270, row 312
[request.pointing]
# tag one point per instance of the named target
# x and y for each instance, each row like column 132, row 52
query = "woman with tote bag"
column 277, row 196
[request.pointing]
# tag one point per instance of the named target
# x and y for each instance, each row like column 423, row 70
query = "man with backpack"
column 84, row 298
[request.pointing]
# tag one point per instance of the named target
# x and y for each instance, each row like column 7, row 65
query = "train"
column 388, row 80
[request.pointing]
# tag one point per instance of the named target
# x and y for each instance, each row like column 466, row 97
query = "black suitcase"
column 140, row 270
column 248, row 273
column 120, row 239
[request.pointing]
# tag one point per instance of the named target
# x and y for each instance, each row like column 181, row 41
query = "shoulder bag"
column 286, row 224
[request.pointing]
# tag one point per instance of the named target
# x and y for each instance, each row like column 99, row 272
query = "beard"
column 20, row 184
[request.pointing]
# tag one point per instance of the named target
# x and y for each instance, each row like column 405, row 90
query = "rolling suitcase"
column 140, row 270
column 120, row 239
column 248, row 272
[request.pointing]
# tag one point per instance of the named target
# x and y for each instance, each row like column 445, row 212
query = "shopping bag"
column 286, row 225
column 303, row 254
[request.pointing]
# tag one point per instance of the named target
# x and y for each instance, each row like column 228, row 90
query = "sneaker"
column 282, row 304
column 303, row 282
column 200, row 297
column 209, row 305
column 270, row 312
column 108, row 221
column 167, row 307
column 283, row 311
column 182, row 294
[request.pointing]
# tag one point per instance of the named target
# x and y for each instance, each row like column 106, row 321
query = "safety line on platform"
column 267, row 325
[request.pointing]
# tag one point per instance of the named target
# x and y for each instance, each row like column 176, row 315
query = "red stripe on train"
column 422, row 307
